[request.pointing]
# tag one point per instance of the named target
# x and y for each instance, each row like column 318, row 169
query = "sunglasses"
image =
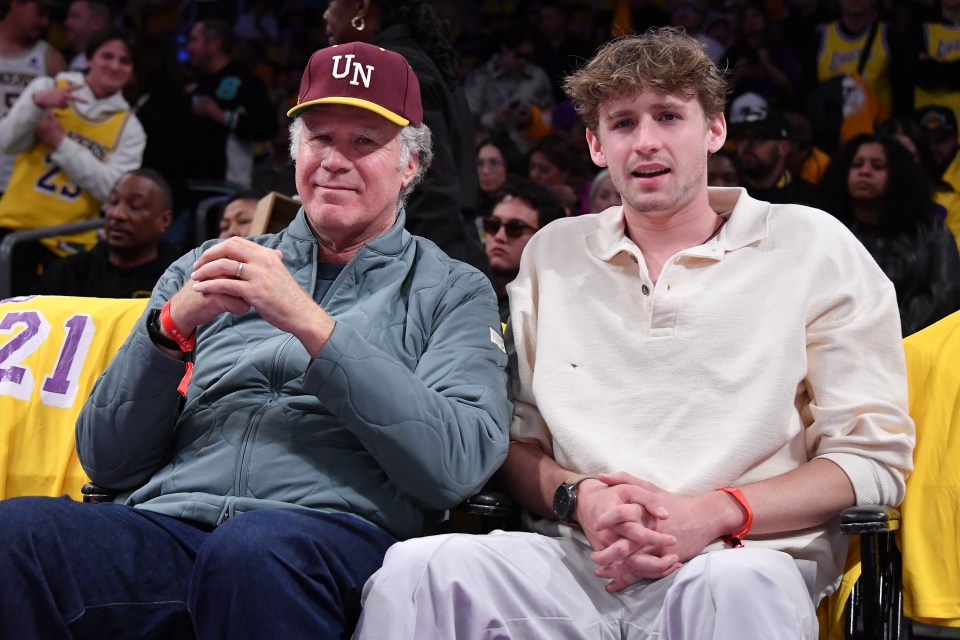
column 513, row 228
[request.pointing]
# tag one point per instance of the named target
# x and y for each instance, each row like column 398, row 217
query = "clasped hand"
column 638, row 530
column 263, row 284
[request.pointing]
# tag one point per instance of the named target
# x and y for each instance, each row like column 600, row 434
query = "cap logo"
column 358, row 73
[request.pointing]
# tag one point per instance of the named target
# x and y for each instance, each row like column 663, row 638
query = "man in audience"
column 705, row 381
column 939, row 126
column 511, row 94
column 232, row 106
column 524, row 207
column 24, row 55
column 278, row 420
column 762, row 136
column 132, row 256
column 84, row 18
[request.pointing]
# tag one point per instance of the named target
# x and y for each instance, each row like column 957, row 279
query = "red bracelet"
column 186, row 345
column 736, row 538
column 186, row 342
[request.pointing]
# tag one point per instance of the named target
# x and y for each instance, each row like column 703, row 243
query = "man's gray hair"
column 413, row 141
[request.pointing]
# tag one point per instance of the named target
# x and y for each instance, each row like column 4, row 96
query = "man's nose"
column 117, row 212
column 647, row 136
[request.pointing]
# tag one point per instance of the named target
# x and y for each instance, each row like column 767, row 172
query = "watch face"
column 563, row 501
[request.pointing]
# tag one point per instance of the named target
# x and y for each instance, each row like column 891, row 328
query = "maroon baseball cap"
column 362, row 75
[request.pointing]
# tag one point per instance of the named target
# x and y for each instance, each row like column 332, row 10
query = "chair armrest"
column 483, row 512
column 12, row 239
column 869, row 518
column 93, row 494
column 491, row 504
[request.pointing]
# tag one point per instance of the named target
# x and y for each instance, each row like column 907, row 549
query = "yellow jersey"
column 52, row 349
column 41, row 194
column 942, row 43
column 840, row 53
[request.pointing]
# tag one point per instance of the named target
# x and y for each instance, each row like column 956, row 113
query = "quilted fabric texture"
column 402, row 414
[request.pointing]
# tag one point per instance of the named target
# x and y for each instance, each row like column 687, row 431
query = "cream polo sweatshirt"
column 773, row 343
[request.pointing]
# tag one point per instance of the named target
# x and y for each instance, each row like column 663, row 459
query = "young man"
column 524, row 208
column 695, row 368
column 287, row 408
column 132, row 256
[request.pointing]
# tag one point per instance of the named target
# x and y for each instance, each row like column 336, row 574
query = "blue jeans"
column 69, row 569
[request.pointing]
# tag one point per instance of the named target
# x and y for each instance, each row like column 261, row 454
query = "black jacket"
column 443, row 206
column 924, row 267
column 238, row 91
column 91, row 274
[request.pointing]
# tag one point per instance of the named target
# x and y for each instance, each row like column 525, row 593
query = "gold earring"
column 358, row 23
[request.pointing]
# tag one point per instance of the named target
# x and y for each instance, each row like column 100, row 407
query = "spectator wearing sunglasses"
column 524, row 208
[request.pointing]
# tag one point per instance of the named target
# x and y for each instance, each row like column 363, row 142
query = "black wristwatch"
column 153, row 330
column 565, row 498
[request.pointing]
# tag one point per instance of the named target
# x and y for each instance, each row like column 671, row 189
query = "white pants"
column 525, row 585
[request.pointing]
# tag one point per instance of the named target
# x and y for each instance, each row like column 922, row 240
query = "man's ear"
column 409, row 170
column 166, row 217
column 596, row 149
column 717, row 133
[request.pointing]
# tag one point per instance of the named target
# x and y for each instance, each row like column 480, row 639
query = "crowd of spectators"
column 212, row 83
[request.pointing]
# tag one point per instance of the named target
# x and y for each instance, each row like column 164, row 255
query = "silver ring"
column 239, row 269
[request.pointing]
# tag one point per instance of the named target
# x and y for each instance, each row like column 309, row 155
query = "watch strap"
column 156, row 335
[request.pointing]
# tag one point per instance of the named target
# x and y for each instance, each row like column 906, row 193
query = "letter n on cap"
column 357, row 70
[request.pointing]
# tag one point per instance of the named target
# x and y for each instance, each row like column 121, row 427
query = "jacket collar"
column 747, row 223
column 391, row 243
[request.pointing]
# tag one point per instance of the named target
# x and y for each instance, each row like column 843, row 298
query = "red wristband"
column 186, row 342
column 736, row 538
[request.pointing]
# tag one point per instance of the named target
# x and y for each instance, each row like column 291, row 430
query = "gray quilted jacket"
column 402, row 414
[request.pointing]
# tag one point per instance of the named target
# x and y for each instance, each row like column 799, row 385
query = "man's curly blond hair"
column 664, row 60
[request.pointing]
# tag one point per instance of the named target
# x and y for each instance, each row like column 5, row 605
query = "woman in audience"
column 497, row 158
column 876, row 187
column 603, row 194
column 723, row 170
column 75, row 136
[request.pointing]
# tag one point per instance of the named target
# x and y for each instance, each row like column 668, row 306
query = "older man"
column 343, row 385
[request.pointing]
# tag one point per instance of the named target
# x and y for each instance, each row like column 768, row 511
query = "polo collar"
column 747, row 223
